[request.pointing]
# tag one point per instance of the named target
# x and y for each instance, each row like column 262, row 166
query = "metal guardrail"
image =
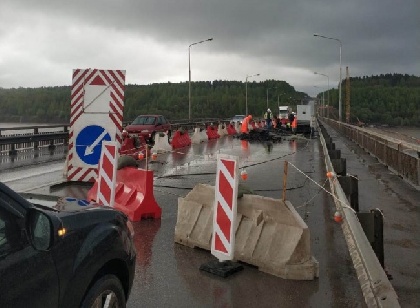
column 17, row 139
column 376, row 288
column 400, row 157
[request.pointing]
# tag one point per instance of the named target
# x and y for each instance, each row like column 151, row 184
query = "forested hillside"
column 209, row 99
column 392, row 99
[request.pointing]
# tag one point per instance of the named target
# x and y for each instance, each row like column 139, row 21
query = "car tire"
column 107, row 288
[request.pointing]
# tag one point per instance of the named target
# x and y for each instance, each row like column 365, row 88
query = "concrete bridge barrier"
column 400, row 157
column 270, row 234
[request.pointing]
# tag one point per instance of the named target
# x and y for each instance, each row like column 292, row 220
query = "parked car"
column 238, row 118
column 148, row 125
column 73, row 257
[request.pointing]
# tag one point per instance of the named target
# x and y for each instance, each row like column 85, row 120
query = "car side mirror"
column 40, row 230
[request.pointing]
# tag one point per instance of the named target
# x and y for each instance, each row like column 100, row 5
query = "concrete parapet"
column 400, row 157
column 270, row 234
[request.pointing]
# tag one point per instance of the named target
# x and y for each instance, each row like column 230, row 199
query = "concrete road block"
column 270, row 234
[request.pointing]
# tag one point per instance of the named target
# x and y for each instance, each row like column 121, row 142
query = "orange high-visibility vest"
column 294, row 123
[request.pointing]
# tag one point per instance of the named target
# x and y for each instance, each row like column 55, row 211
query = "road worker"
column 294, row 125
column 267, row 117
column 245, row 123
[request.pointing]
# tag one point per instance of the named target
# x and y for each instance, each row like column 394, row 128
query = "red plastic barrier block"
column 133, row 194
column 180, row 140
column 212, row 132
column 231, row 130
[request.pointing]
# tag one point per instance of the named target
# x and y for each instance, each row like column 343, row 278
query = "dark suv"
column 73, row 257
column 148, row 125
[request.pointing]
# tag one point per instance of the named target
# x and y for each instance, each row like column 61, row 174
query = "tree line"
column 392, row 99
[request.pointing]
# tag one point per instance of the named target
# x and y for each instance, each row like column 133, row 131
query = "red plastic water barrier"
column 133, row 194
column 231, row 130
column 129, row 148
column 212, row 132
column 180, row 140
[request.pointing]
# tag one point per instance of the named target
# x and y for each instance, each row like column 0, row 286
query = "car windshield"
column 144, row 120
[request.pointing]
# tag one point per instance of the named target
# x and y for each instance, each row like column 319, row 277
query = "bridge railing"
column 401, row 157
column 18, row 139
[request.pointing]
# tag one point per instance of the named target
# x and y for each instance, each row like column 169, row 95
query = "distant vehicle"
column 73, row 257
column 305, row 118
column 238, row 118
column 284, row 112
column 147, row 126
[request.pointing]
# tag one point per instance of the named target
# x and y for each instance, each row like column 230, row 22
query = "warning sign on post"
column 97, row 104
column 225, row 207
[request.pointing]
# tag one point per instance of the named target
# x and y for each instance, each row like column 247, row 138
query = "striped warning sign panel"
column 107, row 173
column 226, row 191
column 96, row 114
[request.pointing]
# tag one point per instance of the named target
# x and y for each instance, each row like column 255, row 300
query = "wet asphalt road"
column 167, row 274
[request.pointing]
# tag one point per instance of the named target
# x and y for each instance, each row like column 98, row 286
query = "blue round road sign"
column 89, row 143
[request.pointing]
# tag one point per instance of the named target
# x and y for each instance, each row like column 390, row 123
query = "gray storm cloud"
column 150, row 38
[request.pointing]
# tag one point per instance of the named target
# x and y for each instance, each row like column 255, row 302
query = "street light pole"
column 246, row 92
column 339, row 85
column 323, row 100
column 328, row 80
column 189, row 73
column 267, row 94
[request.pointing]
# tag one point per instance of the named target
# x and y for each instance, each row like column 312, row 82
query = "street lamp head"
column 315, row 73
column 210, row 39
column 257, row 75
column 316, row 34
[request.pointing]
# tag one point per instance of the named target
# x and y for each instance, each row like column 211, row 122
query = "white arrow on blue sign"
column 89, row 143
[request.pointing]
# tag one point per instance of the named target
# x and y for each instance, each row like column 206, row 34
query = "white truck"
column 283, row 112
column 305, row 118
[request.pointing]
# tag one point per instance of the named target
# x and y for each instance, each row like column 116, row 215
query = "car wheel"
column 106, row 292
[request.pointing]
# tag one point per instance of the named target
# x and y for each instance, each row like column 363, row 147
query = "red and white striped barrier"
column 225, row 207
column 107, row 173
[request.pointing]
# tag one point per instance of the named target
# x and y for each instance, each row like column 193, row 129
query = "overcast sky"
column 42, row 41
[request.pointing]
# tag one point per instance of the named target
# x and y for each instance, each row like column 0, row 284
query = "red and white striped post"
column 225, row 207
column 107, row 173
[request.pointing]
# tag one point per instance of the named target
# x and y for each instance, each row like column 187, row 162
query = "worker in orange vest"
column 294, row 124
column 245, row 123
